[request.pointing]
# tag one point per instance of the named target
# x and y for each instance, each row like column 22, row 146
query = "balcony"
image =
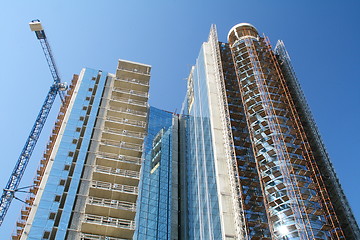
column 109, row 221
column 128, row 111
column 88, row 236
column 129, row 124
column 117, row 171
column 127, row 136
column 134, row 66
column 118, row 161
column 114, row 187
column 136, row 105
column 110, row 207
column 133, row 70
column 132, row 80
column 114, row 227
column 123, row 145
column 116, row 175
column 116, row 204
column 113, row 191
column 125, row 148
column 120, row 158
column 131, row 92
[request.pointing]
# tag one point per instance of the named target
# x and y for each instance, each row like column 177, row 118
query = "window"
column 57, row 198
column 71, row 154
column 52, row 215
column 46, row 235
column 84, row 108
column 90, row 89
column 78, row 129
column 66, row 167
column 81, row 118
column 74, row 141
column 62, row 182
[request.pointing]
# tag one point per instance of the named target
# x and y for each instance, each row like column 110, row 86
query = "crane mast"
column 57, row 87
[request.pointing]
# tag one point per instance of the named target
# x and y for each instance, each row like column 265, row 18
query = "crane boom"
column 57, row 87
column 36, row 26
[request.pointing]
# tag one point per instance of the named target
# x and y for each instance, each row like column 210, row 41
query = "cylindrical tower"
column 291, row 199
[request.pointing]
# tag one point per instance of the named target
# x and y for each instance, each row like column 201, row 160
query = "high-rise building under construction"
column 243, row 160
column 255, row 165
column 87, row 184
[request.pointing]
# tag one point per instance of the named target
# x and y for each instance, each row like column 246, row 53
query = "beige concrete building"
column 87, row 183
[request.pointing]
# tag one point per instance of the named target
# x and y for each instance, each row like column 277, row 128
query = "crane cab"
column 35, row 26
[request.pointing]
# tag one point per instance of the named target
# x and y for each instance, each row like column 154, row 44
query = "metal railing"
column 109, row 221
column 114, row 187
column 88, row 236
column 127, row 111
column 129, row 101
column 123, row 145
column 112, row 203
column 132, row 80
column 135, row 70
column 131, row 92
column 125, row 121
column 116, row 157
column 117, row 171
column 127, row 133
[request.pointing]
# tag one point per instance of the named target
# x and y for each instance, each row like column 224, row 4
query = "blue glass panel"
column 203, row 208
column 47, row 204
column 154, row 202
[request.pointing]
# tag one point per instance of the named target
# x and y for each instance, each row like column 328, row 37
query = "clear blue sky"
column 322, row 38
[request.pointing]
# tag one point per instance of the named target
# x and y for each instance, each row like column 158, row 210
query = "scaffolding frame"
column 253, row 206
column 275, row 126
column 325, row 200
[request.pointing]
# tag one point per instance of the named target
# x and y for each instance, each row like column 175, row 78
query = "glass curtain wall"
column 153, row 218
column 203, row 220
column 57, row 199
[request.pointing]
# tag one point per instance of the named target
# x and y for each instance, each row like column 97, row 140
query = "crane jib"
column 57, row 87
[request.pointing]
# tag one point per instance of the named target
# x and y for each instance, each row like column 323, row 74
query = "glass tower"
column 203, row 203
column 255, row 165
column 158, row 195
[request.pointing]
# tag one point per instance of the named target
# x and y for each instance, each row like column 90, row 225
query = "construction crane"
column 56, row 88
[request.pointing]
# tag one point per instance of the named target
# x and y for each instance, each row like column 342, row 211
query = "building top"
column 143, row 64
column 241, row 30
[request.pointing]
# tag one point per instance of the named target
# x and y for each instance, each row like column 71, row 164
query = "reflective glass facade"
column 157, row 208
column 52, row 215
column 203, row 220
